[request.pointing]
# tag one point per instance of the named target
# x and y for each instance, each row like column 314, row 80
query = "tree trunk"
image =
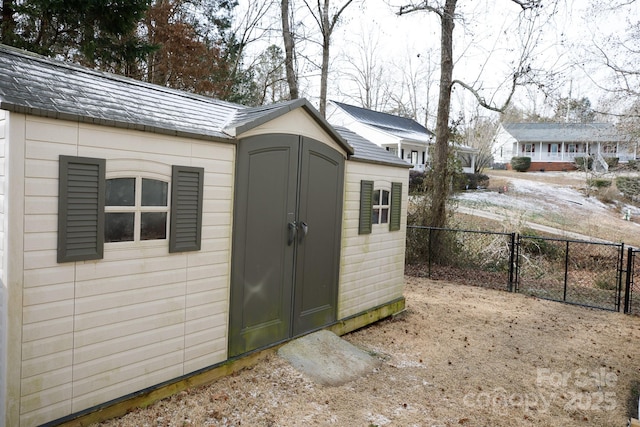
column 441, row 172
column 8, row 25
column 289, row 49
column 327, row 28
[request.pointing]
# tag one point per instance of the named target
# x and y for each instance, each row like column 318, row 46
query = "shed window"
column 93, row 210
column 135, row 209
column 379, row 206
column 380, row 212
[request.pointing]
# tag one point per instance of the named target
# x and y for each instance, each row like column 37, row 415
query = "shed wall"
column 3, row 281
column 97, row 330
column 372, row 265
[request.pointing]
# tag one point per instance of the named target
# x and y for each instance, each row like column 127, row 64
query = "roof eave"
column 39, row 112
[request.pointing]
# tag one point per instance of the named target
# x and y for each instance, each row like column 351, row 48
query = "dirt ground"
column 459, row 355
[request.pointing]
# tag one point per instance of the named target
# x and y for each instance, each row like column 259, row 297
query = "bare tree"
column 441, row 172
column 326, row 22
column 368, row 77
column 289, row 49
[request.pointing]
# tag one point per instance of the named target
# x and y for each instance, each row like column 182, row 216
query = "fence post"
column 628, row 281
column 429, row 258
column 619, row 284
column 512, row 247
column 566, row 272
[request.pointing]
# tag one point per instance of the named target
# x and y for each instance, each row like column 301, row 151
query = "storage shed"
column 148, row 235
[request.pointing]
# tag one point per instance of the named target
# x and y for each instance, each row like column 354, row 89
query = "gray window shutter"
column 396, row 206
column 81, row 187
column 186, row 209
column 366, row 207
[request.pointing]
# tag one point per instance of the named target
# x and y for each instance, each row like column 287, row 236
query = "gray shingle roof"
column 399, row 126
column 40, row 86
column 564, row 132
column 369, row 152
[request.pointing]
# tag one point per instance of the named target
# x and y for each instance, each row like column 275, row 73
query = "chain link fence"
column 571, row 271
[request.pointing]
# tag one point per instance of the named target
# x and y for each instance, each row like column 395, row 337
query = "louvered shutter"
column 396, row 206
column 366, row 207
column 186, row 209
column 81, row 195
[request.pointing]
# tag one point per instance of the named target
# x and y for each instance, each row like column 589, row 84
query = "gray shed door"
column 286, row 242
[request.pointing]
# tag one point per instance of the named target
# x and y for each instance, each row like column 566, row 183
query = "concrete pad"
column 327, row 359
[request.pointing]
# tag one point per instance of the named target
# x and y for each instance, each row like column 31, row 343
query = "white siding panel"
column 41, row 413
column 42, row 187
column 50, row 130
column 41, row 223
column 372, row 265
column 46, row 346
column 138, row 297
column 217, row 284
column 40, row 241
column 87, row 394
column 96, row 270
column 109, row 285
column 47, row 330
column 117, row 329
column 63, row 273
column 47, row 294
column 3, row 274
column 45, row 312
column 97, row 330
column 41, row 150
column 35, row 168
column 48, row 363
column 40, row 259
column 93, row 320
column 118, row 355
column 48, row 380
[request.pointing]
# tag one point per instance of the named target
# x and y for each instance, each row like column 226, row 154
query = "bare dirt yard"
column 459, row 355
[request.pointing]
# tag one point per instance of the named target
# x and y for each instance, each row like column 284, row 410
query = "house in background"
column 555, row 146
column 404, row 137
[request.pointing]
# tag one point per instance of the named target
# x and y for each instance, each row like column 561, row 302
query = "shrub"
column 521, row 164
column 612, row 162
column 629, row 186
column 633, row 164
column 416, row 182
column 582, row 161
column 599, row 182
column 472, row 181
column 533, row 244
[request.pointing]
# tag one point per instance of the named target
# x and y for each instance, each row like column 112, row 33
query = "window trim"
column 137, row 209
column 367, row 188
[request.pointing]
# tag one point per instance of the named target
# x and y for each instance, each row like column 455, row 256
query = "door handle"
column 304, row 228
column 293, row 230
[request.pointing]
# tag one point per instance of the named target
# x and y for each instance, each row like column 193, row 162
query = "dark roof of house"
column 401, row 127
column 565, row 132
column 366, row 150
column 35, row 85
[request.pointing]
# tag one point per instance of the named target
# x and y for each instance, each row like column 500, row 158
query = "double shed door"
column 286, row 243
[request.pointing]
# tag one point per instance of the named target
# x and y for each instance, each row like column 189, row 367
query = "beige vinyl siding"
column 372, row 265
column 3, row 277
column 97, row 330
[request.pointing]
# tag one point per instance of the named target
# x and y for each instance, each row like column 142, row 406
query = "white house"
column 150, row 238
column 403, row 137
column 554, row 146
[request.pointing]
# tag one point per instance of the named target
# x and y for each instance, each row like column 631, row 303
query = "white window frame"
column 379, row 189
column 137, row 209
